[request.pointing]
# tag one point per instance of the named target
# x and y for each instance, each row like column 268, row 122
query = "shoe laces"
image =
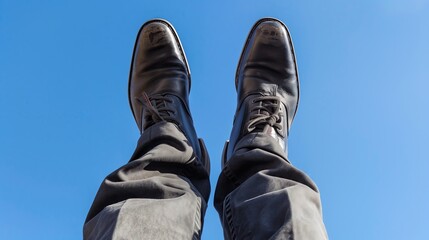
column 157, row 109
column 265, row 113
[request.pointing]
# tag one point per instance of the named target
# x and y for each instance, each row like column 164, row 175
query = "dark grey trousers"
column 162, row 193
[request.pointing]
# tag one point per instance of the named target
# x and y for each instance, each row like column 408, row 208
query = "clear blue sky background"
column 361, row 131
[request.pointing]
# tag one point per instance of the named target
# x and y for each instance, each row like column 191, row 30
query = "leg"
column 163, row 191
column 259, row 194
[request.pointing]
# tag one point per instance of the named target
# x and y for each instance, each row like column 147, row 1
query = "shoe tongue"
column 264, row 113
column 155, row 109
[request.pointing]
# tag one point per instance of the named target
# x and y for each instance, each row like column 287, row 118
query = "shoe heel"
column 205, row 155
column 225, row 150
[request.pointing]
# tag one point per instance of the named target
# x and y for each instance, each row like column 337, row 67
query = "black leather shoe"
column 267, row 85
column 160, row 82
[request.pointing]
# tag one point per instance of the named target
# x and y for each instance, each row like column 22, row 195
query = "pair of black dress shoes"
column 266, row 81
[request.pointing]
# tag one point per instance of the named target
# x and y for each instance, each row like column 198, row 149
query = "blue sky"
column 361, row 131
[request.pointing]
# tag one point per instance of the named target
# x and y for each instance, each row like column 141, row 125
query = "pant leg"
column 260, row 195
column 161, row 193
